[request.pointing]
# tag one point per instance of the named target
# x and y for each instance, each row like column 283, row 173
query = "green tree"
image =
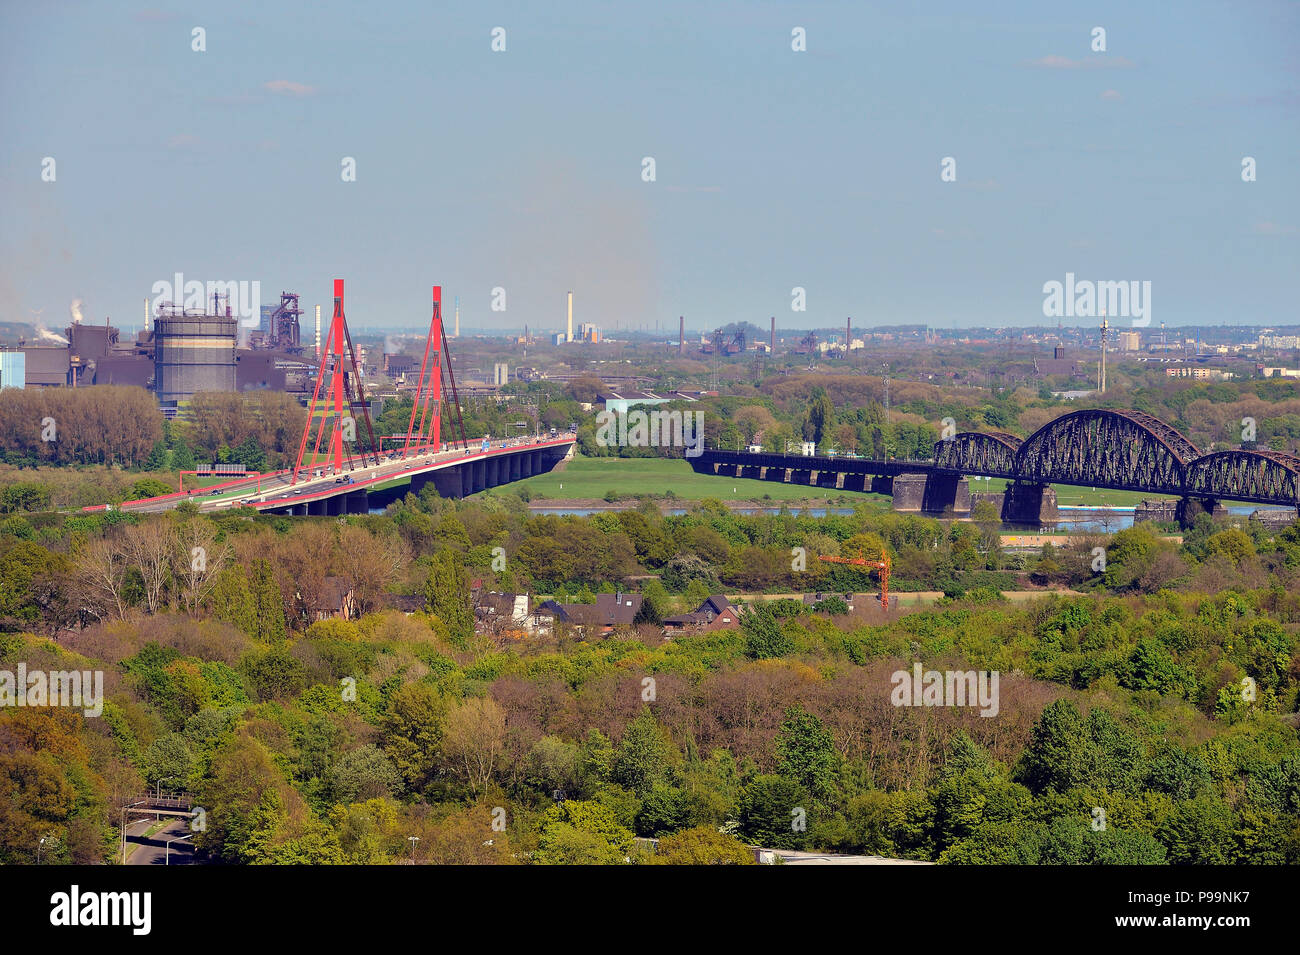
column 577, row 832
column 1199, row 832
column 446, row 595
column 182, row 457
column 702, row 845
column 157, row 459
column 806, row 753
column 764, row 637
column 645, row 755
column 268, row 603
column 413, row 731
column 365, row 773
column 774, row 813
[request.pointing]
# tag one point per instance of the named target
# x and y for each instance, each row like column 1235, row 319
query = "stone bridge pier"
column 1190, row 508
column 931, row 493
column 1029, row 504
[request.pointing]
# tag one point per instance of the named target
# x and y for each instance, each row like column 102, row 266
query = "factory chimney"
column 456, row 332
column 146, row 314
column 848, row 335
column 318, row 331
column 681, row 334
column 1101, row 368
column 772, row 343
column 569, row 336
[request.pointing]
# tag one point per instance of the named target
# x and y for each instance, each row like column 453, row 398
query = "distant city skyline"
column 127, row 155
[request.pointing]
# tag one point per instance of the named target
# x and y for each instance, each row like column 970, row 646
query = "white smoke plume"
column 75, row 310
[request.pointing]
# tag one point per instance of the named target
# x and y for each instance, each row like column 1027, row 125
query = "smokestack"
column 456, row 331
column 772, row 346
column 848, row 335
column 681, row 334
column 146, row 314
column 569, row 337
column 318, row 331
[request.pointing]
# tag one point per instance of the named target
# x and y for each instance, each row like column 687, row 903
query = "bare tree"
column 149, row 546
column 475, row 739
column 371, row 562
column 99, row 576
column 198, row 559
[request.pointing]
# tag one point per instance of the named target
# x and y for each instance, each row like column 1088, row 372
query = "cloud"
column 1054, row 62
column 1112, row 95
column 289, row 87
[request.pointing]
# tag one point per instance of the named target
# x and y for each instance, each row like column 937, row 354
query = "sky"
column 524, row 170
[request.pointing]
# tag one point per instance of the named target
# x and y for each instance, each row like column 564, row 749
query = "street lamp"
column 167, row 857
column 413, row 840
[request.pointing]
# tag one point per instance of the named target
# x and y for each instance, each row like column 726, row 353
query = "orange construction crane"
column 881, row 566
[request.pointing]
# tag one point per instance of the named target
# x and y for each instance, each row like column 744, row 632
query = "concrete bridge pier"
column 447, row 482
column 515, row 467
column 931, row 493
column 1029, row 504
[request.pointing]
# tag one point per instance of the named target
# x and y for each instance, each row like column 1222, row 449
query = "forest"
column 1147, row 716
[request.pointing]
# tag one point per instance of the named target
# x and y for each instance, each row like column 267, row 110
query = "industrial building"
column 180, row 352
column 13, row 369
column 193, row 351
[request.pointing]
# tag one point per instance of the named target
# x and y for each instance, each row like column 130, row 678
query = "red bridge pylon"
column 338, row 412
column 427, row 406
column 429, row 387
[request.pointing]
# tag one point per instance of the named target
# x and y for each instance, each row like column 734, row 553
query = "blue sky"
column 522, row 169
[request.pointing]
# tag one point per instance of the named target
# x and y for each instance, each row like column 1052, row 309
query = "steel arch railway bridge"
column 1097, row 448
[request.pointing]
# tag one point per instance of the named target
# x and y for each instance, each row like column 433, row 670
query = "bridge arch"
column 1245, row 475
column 1104, row 448
column 976, row 452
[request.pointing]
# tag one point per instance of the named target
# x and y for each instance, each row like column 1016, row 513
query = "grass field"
column 592, row 477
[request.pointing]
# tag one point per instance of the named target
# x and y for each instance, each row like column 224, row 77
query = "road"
column 152, row 850
column 272, row 490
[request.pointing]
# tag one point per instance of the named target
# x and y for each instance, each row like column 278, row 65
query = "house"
column 598, row 619
column 406, row 603
column 337, row 600
column 495, row 611
column 715, row 613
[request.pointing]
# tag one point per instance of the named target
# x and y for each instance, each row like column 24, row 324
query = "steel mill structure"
column 193, row 351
